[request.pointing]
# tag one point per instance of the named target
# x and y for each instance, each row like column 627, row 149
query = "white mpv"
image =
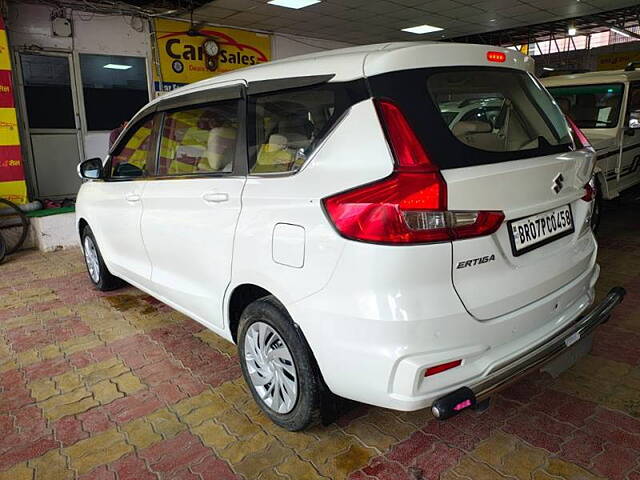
column 325, row 214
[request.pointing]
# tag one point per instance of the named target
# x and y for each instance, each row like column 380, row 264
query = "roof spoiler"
column 631, row 66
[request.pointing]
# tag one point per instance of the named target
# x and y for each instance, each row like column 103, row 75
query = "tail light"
column 589, row 192
column 579, row 138
column 410, row 206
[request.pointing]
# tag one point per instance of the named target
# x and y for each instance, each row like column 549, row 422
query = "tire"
column 14, row 225
column 98, row 272
column 3, row 248
column 266, row 320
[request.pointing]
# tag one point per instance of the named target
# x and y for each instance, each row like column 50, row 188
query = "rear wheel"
column 14, row 225
column 99, row 274
column 278, row 366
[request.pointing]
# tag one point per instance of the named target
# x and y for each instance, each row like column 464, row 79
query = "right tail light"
column 410, row 206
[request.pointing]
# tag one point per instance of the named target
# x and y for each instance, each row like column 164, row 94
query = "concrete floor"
column 117, row 385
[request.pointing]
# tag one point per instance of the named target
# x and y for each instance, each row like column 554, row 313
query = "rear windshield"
column 591, row 106
column 477, row 115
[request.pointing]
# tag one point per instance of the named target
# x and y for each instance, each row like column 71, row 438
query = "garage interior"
column 120, row 386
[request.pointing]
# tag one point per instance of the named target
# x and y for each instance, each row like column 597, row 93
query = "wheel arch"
column 82, row 223
column 240, row 298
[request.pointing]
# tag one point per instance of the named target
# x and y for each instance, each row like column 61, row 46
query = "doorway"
column 53, row 135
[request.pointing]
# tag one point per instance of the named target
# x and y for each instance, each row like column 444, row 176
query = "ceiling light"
column 572, row 31
column 624, row 32
column 492, row 20
column 421, row 29
column 293, row 3
column 548, row 69
column 116, row 66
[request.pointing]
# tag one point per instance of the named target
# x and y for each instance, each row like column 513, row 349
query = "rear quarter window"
column 286, row 126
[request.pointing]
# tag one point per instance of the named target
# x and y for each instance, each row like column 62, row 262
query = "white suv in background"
column 338, row 230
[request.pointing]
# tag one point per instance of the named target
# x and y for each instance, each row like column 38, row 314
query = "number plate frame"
column 546, row 241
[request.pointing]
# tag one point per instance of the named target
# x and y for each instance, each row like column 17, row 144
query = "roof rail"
column 631, row 66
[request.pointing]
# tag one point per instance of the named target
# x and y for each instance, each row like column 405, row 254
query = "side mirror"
column 91, row 169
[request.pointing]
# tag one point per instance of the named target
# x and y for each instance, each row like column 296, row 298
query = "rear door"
column 523, row 164
column 192, row 206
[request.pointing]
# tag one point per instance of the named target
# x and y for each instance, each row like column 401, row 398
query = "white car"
column 333, row 226
column 606, row 107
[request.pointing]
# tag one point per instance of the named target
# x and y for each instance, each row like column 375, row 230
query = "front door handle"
column 132, row 197
column 215, row 197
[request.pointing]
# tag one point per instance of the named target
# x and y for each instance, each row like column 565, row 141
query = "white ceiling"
column 371, row 21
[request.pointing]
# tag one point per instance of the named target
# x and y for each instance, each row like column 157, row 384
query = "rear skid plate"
column 501, row 375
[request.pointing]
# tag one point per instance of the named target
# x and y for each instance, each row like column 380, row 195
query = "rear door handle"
column 132, row 197
column 215, row 197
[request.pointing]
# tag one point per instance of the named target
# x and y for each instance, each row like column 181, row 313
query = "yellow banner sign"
column 12, row 184
column 188, row 58
column 617, row 61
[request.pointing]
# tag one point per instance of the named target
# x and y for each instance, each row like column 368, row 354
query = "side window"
column 136, row 157
column 199, row 140
column 285, row 127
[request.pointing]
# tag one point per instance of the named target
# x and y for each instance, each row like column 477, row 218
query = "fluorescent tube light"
column 116, row 66
column 293, row 3
column 421, row 29
column 548, row 69
column 621, row 31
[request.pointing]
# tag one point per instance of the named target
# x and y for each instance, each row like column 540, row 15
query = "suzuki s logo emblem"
column 558, row 183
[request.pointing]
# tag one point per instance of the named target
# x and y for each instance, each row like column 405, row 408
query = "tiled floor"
column 120, row 386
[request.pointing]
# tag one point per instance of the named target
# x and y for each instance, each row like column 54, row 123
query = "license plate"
column 536, row 230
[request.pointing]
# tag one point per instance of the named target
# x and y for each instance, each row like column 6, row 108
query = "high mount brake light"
column 499, row 57
column 579, row 137
column 410, row 206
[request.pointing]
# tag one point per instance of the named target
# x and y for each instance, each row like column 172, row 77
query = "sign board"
column 617, row 60
column 185, row 58
column 12, row 183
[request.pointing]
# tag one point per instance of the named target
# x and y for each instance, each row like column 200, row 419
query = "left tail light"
column 409, row 206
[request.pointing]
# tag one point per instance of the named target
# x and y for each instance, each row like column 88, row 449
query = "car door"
column 192, row 206
column 117, row 205
column 629, row 169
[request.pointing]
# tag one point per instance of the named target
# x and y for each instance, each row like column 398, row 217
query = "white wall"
column 290, row 45
column 29, row 26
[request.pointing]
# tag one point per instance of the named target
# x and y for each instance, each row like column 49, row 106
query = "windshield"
column 506, row 111
column 591, row 106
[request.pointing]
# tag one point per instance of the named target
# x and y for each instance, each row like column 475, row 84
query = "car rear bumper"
column 505, row 373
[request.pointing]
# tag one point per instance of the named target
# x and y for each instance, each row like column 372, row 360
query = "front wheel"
column 278, row 366
column 99, row 274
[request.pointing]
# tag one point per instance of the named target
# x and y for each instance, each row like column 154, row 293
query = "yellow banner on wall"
column 184, row 59
column 12, row 184
column 617, row 61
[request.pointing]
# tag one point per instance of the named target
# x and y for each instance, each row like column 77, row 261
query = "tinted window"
column 590, row 106
column 47, row 91
column 114, row 89
column 285, row 127
column 136, row 157
column 518, row 118
column 199, row 140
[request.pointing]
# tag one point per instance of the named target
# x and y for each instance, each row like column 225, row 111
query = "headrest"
column 466, row 127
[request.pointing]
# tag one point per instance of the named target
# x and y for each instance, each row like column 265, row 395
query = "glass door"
column 50, row 112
